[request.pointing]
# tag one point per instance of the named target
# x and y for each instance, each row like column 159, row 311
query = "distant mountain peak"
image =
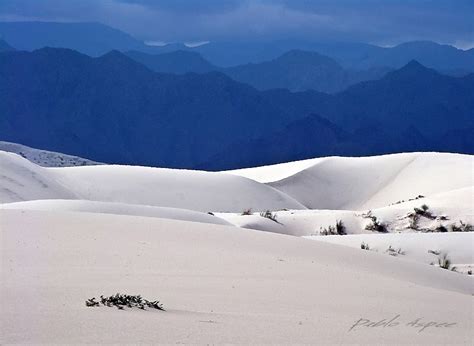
column 119, row 61
column 413, row 69
column 414, row 64
column 113, row 54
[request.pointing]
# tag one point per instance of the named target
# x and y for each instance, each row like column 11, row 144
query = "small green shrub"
column 364, row 246
column 247, row 212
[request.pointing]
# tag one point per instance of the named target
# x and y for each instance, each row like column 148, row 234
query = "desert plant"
column 394, row 252
column 376, row 226
column 411, row 199
column 445, row 263
column 414, row 218
column 340, row 227
column 469, row 272
column 364, row 246
column 331, row 230
column 441, row 229
column 463, row 227
column 269, row 215
column 247, row 211
column 120, row 301
column 423, row 211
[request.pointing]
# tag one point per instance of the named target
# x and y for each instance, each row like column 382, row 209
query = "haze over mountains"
column 96, row 39
column 295, row 70
column 114, row 109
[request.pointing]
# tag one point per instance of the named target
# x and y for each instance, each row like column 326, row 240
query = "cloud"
column 383, row 22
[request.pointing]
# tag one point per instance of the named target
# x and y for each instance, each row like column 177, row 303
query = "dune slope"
column 366, row 182
column 62, row 205
column 22, row 180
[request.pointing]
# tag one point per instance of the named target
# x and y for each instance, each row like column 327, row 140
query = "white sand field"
column 219, row 284
column 70, row 234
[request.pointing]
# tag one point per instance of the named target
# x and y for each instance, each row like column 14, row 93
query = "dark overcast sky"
column 384, row 22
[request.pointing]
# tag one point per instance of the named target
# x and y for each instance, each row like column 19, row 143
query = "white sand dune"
column 117, row 209
column 22, row 180
column 330, row 183
column 219, row 284
column 366, row 182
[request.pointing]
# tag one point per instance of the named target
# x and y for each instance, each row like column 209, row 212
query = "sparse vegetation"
column 434, row 252
column 247, row 212
column 364, row 246
column 120, row 301
column 331, row 230
column 375, row 225
column 445, row 263
column 409, row 200
column 463, row 227
column 269, row 215
column 413, row 217
column 424, row 211
column 339, row 229
column 394, row 252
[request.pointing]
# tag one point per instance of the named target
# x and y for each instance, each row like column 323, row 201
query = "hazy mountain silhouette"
column 295, row 70
column 114, row 109
column 96, row 39
column 299, row 70
column 305, row 138
column 89, row 38
column 179, row 62
column 438, row 56
column 411, row 96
